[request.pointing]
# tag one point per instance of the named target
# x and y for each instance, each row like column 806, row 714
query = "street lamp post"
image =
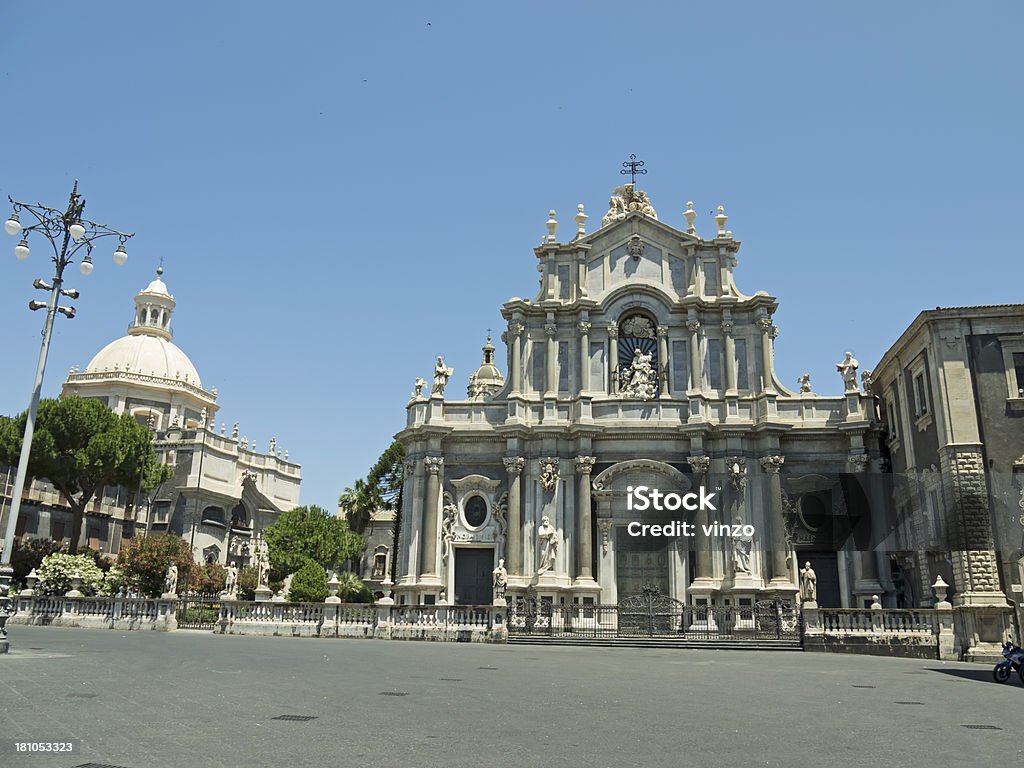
column 67, row 232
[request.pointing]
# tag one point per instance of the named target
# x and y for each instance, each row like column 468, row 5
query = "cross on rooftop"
column 633, row 168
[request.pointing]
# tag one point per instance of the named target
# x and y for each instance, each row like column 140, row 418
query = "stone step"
column 659, row 642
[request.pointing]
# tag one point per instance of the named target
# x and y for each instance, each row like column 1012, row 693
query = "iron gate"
column 651, row 614
column 198, row 610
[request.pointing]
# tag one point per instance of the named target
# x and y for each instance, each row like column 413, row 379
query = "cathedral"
column 640, row 363
column 224, row 490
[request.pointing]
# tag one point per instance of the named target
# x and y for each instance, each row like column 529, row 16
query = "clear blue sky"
column 341, row 191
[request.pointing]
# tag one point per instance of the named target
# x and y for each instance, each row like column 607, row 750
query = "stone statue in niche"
column 641, row 378
column 808, row 584
column 441, row 375
column 449, row 513
column 848, row 370
column 742, row 546
column 547, row 539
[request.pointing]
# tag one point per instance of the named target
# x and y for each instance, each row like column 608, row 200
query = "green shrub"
column 58, row 569
column 309, row 585
column 351, row 589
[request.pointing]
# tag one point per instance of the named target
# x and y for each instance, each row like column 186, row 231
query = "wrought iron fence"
column 198, row 610
column 654, row 615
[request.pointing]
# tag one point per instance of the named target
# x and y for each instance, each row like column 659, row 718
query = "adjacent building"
column 224, row 488
column 951, row 396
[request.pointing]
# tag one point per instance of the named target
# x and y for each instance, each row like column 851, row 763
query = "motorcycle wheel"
column 1002, row 673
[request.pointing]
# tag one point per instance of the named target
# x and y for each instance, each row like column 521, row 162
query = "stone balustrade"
column 482, row 624
column 918, row 633
column 95, row 612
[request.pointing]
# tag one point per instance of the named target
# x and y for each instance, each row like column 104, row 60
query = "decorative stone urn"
column 76, row 582
column 30, row 583
column 332, row 588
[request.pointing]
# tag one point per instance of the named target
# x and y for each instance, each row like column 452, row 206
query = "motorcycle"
column 1013, row 661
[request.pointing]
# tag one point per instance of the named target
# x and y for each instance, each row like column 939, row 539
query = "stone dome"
column 488, row 379
column 147, row 355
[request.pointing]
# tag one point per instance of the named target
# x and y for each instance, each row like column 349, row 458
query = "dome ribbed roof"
column 150, row 355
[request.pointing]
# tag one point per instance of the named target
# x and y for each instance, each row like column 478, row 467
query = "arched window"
column 213, row 515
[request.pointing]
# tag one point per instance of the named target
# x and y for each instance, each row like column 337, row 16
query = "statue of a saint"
column 419, row 384
column 640, row 379
column 231, row 580
column 848, row 370
column 808, row 584
column 262, row 563
column 500, row 580
column 742, row 546
column 171, row 580
column 547, row 538
column 805, row 383
column 441, row 375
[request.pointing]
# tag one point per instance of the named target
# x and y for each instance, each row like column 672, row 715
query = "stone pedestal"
column 263, row 594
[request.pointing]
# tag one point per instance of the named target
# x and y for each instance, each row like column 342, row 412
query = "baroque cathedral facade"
column 640, row 362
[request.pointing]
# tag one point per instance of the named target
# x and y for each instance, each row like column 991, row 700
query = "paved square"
column 147, row 699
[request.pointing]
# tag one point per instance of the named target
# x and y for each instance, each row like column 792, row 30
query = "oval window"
column 475, row 510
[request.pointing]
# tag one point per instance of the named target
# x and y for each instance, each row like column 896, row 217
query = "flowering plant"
column 58, row 569
column 144, row 561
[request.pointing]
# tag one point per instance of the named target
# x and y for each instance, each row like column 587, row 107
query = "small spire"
column 551, row 225
column 691, row 216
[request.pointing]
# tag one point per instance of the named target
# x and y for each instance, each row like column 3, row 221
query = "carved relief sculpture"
column 736, row 466
column 699, row 465
column 549, row 475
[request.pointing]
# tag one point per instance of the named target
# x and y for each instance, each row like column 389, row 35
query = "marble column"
column 584, row 328
column 663, row 359
column 764, row 324
column 695, row 366
column 866, row 583
column 412, row 515
column 514, row 532
column 551, row 369
column 704, row 566
column 613, row 359
column 429, row 532
column 772, row 465
column 730, row 357
column 584, row 531
column 515, row 374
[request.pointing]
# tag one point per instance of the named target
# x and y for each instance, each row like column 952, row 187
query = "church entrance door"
column 473, row 575
column 641, row 563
